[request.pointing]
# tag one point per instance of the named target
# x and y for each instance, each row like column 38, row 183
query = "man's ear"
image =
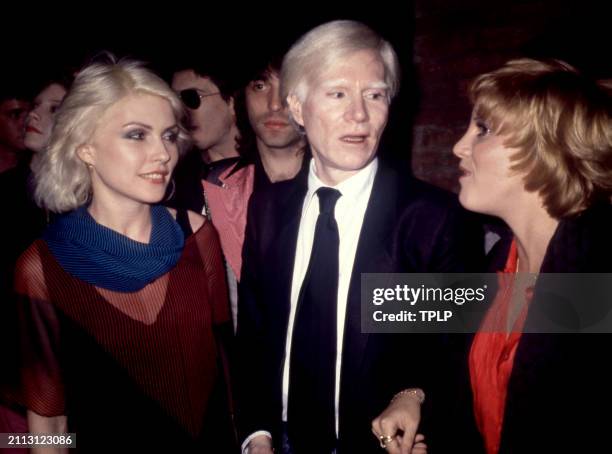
column 295, row 107
column 86, row 153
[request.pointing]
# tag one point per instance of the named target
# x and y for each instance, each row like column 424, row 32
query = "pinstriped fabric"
column 163, row 351
column 100, row 256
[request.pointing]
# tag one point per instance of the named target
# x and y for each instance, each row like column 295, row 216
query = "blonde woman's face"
column 133, row 151
column 488, row 184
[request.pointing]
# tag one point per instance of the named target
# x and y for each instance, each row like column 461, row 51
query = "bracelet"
column 416, row 392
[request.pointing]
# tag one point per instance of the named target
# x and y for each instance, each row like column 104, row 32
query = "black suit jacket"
column 408, row 227
column 559, row 394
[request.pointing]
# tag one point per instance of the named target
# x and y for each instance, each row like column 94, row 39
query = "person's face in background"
column 344, row 114
column 488, row 184
column 133, row 151
column 267, row 115
column 212, row 121
column 12, row 122
column 39, row 121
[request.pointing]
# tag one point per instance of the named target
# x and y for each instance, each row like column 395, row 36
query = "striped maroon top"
column 146, row 360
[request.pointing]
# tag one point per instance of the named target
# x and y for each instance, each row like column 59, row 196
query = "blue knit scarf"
column 105, row 258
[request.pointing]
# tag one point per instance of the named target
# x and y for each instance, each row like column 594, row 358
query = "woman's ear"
column 86, row 153
column 295, row 107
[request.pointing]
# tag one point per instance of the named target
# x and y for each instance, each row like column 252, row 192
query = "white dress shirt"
column 349, row 213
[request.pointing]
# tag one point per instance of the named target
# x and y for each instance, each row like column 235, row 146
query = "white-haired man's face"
column 344, row 112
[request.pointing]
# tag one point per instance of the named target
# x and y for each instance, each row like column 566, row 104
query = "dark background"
column 442, row 44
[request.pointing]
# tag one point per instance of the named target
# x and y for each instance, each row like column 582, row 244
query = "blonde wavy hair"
column 561, row 123
column 61, row 179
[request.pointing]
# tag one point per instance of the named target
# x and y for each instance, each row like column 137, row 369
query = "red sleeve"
column 41, row 388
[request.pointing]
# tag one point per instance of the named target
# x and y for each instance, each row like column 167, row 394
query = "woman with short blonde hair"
column 62, row 178
column 123, row 302
column 559, row 123
column 538, row 154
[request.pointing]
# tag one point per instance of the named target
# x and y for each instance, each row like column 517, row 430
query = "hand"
column 260, row 445
column 402, row 415
column 419, row 446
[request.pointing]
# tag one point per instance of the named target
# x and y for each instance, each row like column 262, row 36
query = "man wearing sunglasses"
column 207, row 179
column 208, row 96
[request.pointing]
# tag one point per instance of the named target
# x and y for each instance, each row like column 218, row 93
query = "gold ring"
column 385, row 440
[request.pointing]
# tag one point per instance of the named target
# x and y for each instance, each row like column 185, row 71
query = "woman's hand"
column 402, row 415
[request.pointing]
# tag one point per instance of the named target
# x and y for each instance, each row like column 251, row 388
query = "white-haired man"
column 310, row 380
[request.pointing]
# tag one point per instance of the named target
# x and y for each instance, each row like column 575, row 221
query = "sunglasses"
column 192, row 98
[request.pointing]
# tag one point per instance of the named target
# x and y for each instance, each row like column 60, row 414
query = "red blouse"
column 492, row 356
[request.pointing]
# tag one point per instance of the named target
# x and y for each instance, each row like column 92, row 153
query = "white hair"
column 321, row 47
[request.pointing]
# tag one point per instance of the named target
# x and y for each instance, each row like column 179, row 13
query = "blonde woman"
column 120, row 302
column 538, row 154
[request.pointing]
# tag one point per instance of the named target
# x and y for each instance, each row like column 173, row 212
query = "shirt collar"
column 353, row 187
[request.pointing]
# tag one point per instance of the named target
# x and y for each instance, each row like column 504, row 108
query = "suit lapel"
column 291, row 198
column 372, row 256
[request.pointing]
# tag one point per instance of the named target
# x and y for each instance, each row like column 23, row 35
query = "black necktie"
column 312, row 367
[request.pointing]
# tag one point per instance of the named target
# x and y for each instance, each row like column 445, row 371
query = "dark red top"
column 492, row 356
column 128, row 369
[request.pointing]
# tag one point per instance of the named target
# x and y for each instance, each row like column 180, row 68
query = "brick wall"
column 456, row 40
